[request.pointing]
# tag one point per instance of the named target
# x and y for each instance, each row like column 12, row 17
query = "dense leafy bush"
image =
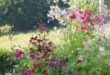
column 91, row 60
column 7, row 61
column 107, row 2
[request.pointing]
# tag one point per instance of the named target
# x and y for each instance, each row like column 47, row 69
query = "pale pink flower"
column 87, row 48
column 98, row 56
column 80, row 58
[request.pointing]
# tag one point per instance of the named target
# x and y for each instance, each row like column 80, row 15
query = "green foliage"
column 7, row 61
column 107, row 2
column 23, row 14
column 91, row 64
column 71, row 41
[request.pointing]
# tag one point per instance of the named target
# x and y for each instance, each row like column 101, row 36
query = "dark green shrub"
column 7, row 61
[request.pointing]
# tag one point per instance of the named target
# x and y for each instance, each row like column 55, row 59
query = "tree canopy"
column 23, row 14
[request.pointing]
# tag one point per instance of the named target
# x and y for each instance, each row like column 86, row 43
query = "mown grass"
column 22, row 39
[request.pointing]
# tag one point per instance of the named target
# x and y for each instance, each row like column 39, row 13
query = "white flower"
column 102, row 49
column 55, row 28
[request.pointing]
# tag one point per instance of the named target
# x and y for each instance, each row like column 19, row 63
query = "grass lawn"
column 22, row 39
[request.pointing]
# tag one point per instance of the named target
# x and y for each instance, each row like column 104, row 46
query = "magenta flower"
column 19, row 53
column 35, row 65
column 34, row 57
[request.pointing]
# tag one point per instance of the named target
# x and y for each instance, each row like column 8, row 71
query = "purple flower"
column 40, row 64
column 31, row 72
column 64, row 13
column 45, row 55
column 45, row 72
column 40, row 48
column 48, row 48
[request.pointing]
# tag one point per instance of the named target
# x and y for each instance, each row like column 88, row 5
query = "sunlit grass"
column 22, row 39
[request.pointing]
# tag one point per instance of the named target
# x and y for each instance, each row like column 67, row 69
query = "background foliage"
column 23, row 14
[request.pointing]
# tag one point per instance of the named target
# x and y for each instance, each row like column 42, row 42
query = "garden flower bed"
column 82, row 47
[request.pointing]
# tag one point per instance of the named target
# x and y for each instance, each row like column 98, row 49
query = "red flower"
column 72, row 17
column 84, row 28
column 19, row 53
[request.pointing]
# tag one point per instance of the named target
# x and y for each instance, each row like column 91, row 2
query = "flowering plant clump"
column 81, row 15
column 36, row 60
column 39, row 59
column 79, row 45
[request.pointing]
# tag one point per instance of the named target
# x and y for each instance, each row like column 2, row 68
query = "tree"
column 23, row 14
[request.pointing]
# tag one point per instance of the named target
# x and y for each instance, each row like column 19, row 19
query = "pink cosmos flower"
column 80, row 58
column 85, row 20
column 84, row 28
column 98, row 56
column 81, row 12
column 19, row 53
column 90, row 13
column 87, row 48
